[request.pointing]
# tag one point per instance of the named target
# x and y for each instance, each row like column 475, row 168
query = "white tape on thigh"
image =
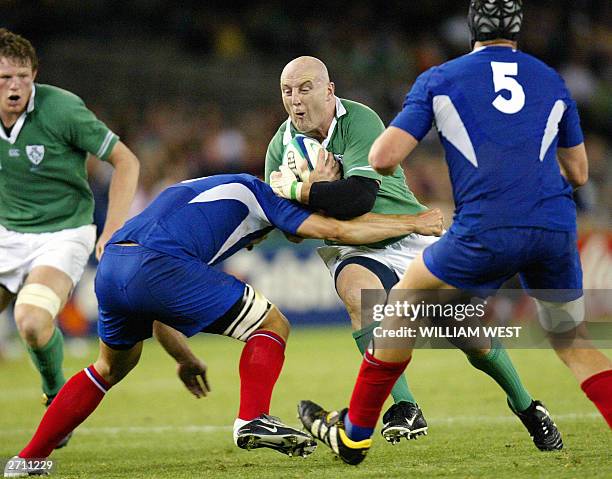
column 560, row 317
column 39, row 295
column 255, row 309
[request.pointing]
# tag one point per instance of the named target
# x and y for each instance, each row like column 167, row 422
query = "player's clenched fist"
column 430, row 223
column 285, row 184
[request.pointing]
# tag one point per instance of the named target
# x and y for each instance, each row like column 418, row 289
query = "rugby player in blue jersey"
column 157, row 276
column 515, row 150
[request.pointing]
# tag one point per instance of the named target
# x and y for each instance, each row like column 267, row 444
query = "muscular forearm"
column 173, row 341
column 372, row 227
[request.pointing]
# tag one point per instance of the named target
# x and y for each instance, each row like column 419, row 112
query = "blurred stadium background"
column 192, row 88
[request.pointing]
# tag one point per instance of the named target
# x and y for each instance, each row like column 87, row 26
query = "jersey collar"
column 340, row 111
column 20, row 121
column 479, row 49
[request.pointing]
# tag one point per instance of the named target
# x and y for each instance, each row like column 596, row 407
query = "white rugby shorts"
column 67, row 250
column 396, row 256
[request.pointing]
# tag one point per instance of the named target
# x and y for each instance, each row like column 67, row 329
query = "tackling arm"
column 574, row 164
column 390, row 149
column 371, row 227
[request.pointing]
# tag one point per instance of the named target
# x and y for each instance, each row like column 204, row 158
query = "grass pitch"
column 150, row 427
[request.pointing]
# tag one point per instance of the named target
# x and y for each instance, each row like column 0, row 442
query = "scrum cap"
column 491, row 19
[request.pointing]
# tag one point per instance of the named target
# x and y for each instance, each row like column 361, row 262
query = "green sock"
column 497, row 364
column 48, row 360
column 400, row 391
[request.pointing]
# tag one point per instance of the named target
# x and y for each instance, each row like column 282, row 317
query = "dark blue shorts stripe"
column 387, row 277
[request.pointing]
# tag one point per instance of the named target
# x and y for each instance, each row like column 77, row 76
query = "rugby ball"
column 301, row 155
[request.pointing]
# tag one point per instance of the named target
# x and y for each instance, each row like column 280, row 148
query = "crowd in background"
column 193, row 89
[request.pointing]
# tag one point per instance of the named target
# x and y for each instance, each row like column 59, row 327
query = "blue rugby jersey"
column 500, row 114
column 211, row 218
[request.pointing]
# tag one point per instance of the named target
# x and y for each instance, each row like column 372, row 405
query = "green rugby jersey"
column 43, row 180
column 354, row 129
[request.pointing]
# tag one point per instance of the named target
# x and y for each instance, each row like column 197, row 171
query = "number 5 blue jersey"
column 211, row 218
column 500, row 115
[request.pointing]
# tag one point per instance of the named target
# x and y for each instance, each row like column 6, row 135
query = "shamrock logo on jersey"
column 35, row 153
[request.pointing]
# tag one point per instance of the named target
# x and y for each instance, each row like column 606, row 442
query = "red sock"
column 260, row 365
column 598, row 389
column 374, row 383
column 73, row 404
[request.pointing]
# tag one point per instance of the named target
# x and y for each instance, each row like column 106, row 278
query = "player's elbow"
column 390, row 149
column 577, row 176
column 122, row 158
column 580, row 178
column 352, row 209
column 574, row 164
column 381, row 161
column 345, row 199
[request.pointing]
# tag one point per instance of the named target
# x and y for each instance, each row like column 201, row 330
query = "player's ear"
column 34, row 73
column 331, row 88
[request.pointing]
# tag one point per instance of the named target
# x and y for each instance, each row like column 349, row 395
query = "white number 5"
column 502, row 81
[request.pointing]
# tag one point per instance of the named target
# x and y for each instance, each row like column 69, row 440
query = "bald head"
column 308, row 95
column 310, row 68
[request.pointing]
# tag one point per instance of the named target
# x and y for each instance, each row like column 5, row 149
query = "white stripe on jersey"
column 255, row 220
column 104, row 146
column 451, row 126
column 552, row 127
column 340, row 111
column 287, row 134
column 20, row 121
column 360, row 168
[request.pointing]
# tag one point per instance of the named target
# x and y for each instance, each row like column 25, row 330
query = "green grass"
column 150, row 427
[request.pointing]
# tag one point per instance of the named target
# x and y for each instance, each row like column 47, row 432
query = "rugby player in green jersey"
column 347, row 130
column 46, row 205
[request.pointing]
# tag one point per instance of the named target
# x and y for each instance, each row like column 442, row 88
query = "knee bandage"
column 560, row 317
column 40, row 296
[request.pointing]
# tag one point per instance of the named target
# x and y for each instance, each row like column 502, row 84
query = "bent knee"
column 558, row 318
column 477, row 353
column 351, row 297
column 276, row 322
column 38, row 299
column 34, row 326
column 113, row 373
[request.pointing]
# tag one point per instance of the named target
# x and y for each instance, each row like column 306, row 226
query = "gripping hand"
column 285, row 184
